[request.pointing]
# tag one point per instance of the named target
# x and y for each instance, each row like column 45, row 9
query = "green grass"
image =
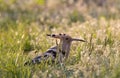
column 23, row 36
column 99, row 57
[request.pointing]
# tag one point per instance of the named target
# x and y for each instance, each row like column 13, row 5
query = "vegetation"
column 24, row 25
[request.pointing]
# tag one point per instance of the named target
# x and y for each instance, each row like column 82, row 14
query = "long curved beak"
column 75, row 39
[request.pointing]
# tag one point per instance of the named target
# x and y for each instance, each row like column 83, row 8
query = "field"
column 24, row 25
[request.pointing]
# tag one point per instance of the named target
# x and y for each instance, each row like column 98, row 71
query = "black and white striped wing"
column 49, row 54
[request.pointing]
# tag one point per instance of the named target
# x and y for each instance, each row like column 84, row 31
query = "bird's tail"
column 27, row 63
column 36, row 60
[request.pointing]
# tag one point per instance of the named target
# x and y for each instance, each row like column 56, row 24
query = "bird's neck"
column 64, row 47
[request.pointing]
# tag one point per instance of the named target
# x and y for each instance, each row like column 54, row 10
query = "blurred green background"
column 56, row 13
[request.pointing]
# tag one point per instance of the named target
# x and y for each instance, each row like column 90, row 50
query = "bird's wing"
column 50, row 53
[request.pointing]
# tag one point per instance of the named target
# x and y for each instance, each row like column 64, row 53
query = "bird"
column 60, row 51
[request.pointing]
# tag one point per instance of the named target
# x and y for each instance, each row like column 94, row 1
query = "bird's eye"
column 66, row 38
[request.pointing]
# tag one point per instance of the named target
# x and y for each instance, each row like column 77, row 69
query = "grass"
column 23, row 37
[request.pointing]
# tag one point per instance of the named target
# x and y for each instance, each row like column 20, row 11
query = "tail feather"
column 36, row 60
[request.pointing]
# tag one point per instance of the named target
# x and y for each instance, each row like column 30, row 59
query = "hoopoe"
column 60, row 51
